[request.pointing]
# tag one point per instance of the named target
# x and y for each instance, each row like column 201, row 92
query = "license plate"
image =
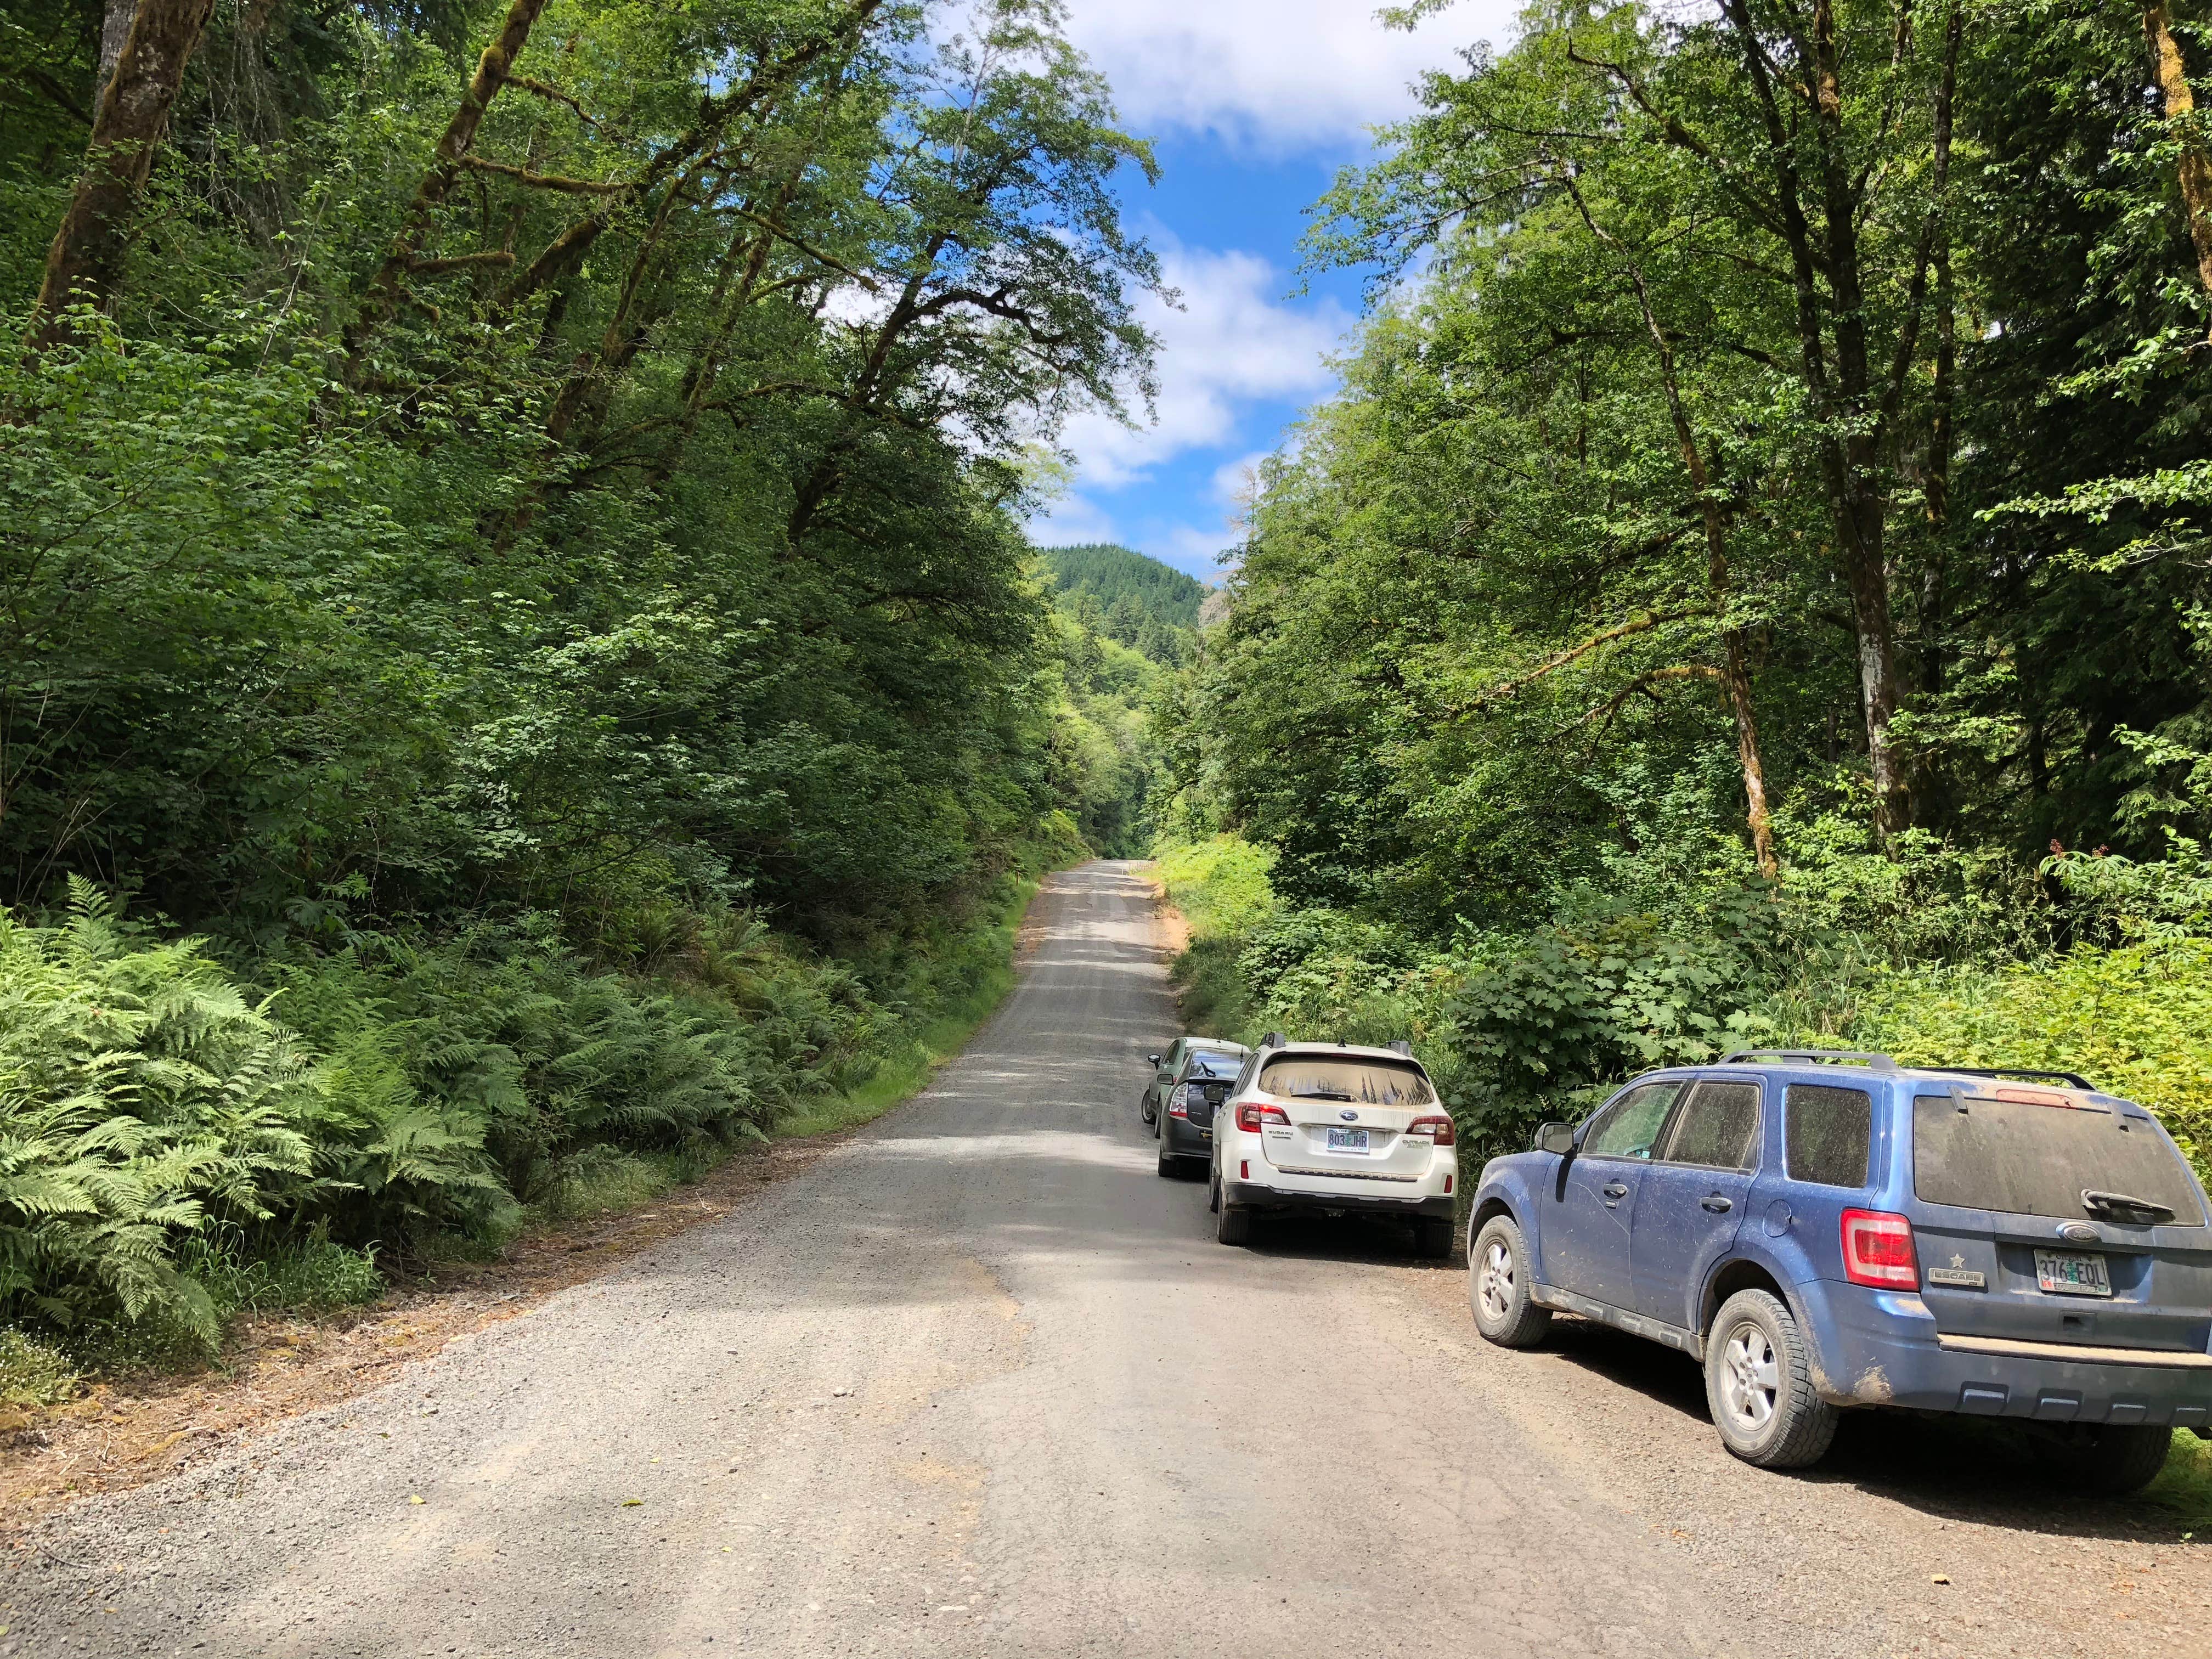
column 2065, row 1274
column 1347, row 1141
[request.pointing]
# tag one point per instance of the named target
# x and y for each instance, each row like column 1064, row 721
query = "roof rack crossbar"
column 1872, row 1061
column 2073, row 1079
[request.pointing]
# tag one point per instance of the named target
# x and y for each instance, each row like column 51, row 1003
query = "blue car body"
column 1655, row 1248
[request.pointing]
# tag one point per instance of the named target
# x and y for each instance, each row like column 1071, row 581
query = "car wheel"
column 1232, row 1223
column 1213, row 1191
column 1167, row 1162
column 1146, row 1110
column 1432, row 1238
column 1760, row 1386
column 1497, row 1286
column 2112, row 1459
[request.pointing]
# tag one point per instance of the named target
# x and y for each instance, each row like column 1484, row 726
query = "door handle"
column 1613, row 1189
column 1716, row 1203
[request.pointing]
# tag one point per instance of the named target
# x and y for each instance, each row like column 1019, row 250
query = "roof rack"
column 1402, row 1046
column 1873, row 1062
column 1272, row 1040
column 2073, row 1079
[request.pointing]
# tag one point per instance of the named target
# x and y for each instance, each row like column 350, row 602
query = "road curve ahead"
column 980, row 1383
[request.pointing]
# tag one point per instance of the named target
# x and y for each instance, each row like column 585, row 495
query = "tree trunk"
column 86, row 259
column 1735, row 678
column 386, row 288
column 2193, row 166
column 114, row 30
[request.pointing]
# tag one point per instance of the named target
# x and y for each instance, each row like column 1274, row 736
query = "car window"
column 1628, row 1127
column 1360, row 1081
column 1830, row 1134
column 2025, row 1158
column 1717, row 1128
column 1212, row 1066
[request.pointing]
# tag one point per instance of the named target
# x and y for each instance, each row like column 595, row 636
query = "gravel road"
column 979, row 1382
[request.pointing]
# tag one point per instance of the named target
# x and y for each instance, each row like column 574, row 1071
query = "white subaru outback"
column 1340, row 1130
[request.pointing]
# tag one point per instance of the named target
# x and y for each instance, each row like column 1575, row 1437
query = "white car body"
column 1273, row 1150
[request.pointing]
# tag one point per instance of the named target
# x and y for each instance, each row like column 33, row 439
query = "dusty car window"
column 1360, row 1082
column 1717, row 1127
column 1211, row 1066
column 1630, row 1126
column 2023, row 1159
column 1830, row 1134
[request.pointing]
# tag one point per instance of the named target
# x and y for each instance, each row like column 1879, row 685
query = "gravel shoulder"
column 977, row 1381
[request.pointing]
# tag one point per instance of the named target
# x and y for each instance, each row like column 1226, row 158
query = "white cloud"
column 1232, row 343
column 1272, row 74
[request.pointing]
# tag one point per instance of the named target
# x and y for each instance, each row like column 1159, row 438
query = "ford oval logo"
column 1349, row 1117
column 2080, row 1232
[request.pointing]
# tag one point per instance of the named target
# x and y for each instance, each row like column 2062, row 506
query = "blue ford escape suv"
column 1827, row 1230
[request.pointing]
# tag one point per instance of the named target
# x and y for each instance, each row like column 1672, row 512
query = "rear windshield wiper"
column 2095, row 1202
column 1321, row 1094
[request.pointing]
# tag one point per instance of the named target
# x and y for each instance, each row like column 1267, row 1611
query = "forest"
column 520, row 666
column 1751, row 584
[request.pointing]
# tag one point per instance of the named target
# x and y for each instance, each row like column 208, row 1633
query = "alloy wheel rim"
column 1496, row 1284
column 1751, row 1377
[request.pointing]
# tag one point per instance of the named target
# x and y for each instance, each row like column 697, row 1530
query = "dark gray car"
column 1189, row 1082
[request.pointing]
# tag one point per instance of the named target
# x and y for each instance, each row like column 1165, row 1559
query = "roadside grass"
column 2184, row 1487
column 989, row 964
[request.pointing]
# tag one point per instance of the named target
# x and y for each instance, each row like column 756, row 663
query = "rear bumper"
column 1180, row 1138
column 1882, row 1348
column 1251, row 1195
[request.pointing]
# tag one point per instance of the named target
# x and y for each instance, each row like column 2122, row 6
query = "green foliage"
column 142, row 1098
column 32, row 1372
column 2135, row 1020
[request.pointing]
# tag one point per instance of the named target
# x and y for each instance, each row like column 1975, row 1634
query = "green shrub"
column 32, row 1372
column 1219, row 885
column 2137, row 1020
column 140, row 1097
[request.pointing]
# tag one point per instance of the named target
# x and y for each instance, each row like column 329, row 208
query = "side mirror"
column 1154, row 1058
column 1556, row 1138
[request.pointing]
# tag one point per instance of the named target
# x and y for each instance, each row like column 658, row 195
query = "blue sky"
column 1254, row 105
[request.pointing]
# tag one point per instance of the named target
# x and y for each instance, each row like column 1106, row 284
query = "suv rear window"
column 2021, row 1158
column 1363, row 1082
column 1830, row 1134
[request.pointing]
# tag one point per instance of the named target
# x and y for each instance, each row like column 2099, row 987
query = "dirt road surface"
column 980, row 1383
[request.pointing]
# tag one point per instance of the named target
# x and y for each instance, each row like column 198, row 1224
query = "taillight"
column 1878, row 1250
column 1179, row 1101
column 1251, row 1114
column 1439, row 1129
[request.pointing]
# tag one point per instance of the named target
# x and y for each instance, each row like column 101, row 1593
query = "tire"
column 1167, row 1163
column 1232, row 1222
column 1149, row 1112
column 1213, row 1191
column 1433, row 1239
column 1497, row 1280
column 1759, row 1385
column 2110, row 1459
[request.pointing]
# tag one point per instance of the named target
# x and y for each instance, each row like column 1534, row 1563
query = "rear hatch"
column 1210, row 1076
column 1348, row 1116
column 2053, row 1215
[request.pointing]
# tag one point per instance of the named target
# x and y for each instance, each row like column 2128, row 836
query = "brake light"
column 1179, row 1101
column 1878, row 1250
column 2037, row 1097
column 1251, row 1114
column 1439, row 1129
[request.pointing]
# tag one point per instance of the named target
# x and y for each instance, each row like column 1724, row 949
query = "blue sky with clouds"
column 1254, row 105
